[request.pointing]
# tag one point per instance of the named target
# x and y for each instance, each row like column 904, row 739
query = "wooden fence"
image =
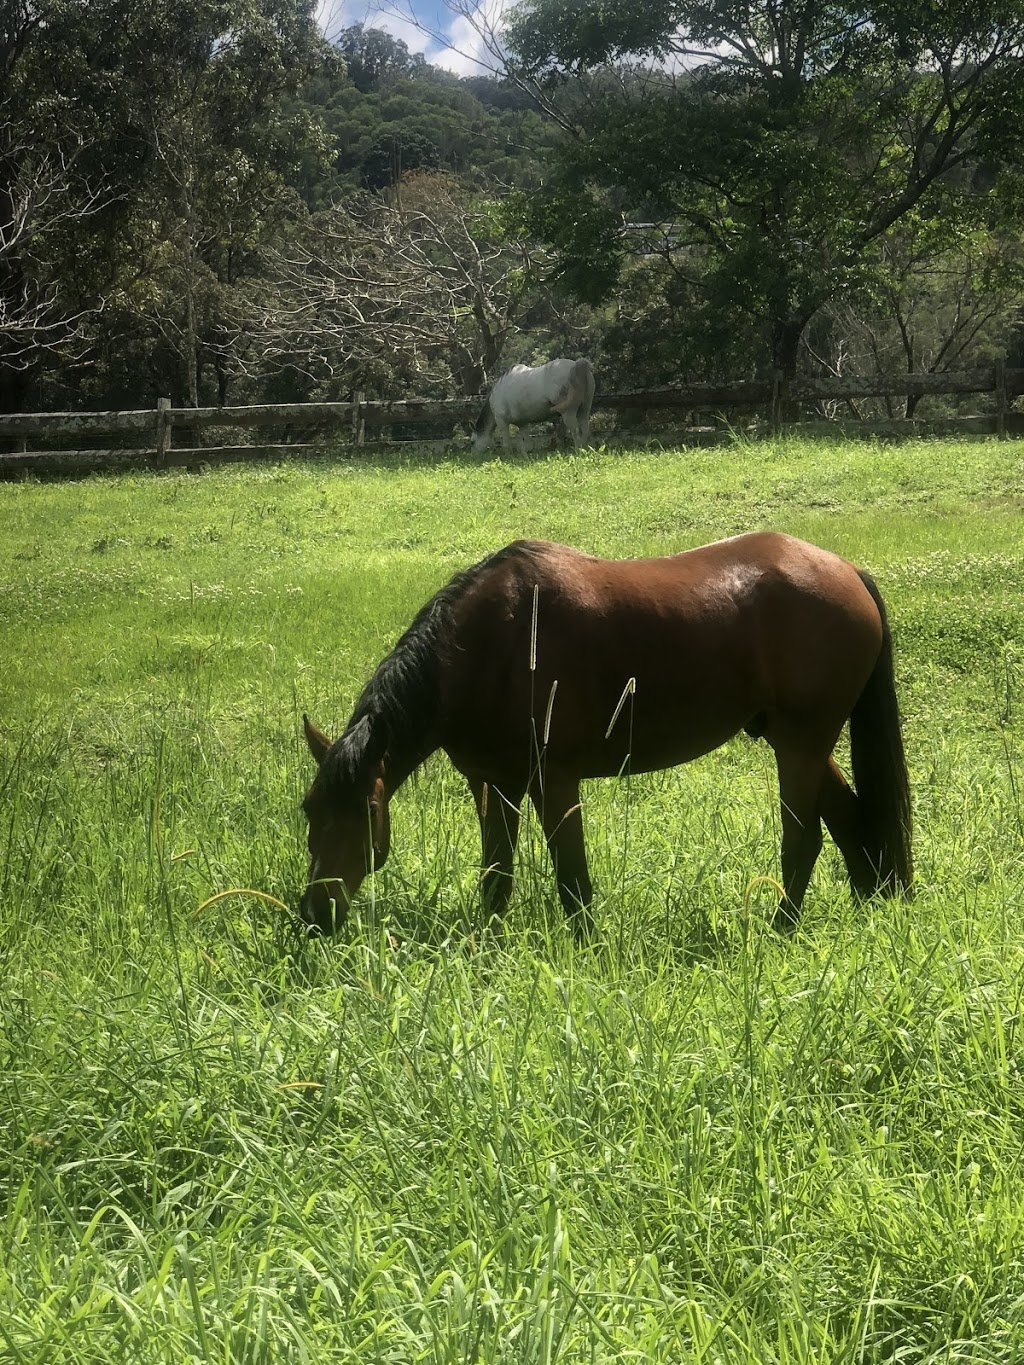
column 344, row 425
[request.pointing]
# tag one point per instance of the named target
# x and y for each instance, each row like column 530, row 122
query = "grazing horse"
column 540, row 666
column 561, row 388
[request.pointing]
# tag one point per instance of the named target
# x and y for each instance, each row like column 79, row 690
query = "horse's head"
column 349, row 825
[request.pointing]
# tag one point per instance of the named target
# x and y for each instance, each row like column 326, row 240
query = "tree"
column 226, row 152
column 943, row 295
column 416, row 291
column 39, row 198
column 171, row 126
column 395, row 153
column 784, row 141
column 409, row 115
column 50, row 185
column 373, row 57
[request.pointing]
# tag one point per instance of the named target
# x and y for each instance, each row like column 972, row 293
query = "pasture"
column 699, row 1142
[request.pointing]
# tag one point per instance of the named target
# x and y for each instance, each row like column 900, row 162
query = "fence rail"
column 350, row 420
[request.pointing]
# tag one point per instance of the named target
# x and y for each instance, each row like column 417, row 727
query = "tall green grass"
column 697, row 1143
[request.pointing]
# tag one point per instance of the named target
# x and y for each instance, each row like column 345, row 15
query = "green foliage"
column 586, row 235
column 664, row 328
column 792, row 145
column 390, row 112
column 373, row 57
column 172, row 128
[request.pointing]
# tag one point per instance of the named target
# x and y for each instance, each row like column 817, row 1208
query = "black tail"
column 880, row 769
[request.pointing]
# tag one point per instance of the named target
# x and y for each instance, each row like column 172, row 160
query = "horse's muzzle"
column 324, row 906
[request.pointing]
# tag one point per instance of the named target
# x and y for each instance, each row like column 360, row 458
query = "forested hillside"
column 211, row 202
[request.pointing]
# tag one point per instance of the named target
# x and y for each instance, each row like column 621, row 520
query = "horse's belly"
column 668, row 746
column 590, row 733
column 538, row 410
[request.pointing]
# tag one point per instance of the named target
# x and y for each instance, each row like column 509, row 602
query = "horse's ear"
column 316, row 739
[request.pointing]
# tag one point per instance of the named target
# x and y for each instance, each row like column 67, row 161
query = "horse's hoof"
column 786, row 919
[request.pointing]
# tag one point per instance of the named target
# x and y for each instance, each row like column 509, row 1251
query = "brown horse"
column 540, row 666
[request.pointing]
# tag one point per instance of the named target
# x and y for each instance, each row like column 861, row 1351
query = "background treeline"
column 205, row 199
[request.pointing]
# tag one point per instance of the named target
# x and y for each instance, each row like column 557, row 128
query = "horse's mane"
column 398, row 704
column 482, row 423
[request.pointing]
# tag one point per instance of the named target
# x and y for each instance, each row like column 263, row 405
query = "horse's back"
column 727, row 576
column 531, row 393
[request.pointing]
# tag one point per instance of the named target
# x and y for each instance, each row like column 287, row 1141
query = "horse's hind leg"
column 557, row 802
column 498, row 812
column 801, row 775
column 841, row 813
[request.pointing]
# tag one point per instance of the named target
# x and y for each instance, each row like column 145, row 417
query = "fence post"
column 163, row 431
column 358, row 421
column 999, row 380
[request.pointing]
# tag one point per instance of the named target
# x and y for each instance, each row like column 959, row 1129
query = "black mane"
column 397, row 706
column 482, row 423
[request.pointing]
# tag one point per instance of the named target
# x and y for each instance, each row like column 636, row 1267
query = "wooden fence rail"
column 347, row 421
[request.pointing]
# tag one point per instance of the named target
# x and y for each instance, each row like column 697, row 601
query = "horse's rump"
column 577, row 394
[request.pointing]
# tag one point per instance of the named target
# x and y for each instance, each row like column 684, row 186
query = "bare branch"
column 427, row 289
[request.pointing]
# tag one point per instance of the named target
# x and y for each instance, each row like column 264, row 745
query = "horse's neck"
column 399, row 767
column 407, row 746
column 401, row 701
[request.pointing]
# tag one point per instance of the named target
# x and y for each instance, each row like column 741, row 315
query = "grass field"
column 701, row 1143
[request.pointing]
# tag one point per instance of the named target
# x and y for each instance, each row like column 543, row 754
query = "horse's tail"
column 880, row 768
column 583, row 377
column 586, row 371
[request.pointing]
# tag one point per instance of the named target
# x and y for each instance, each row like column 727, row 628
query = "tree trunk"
column 221, row 370
column 468, row 373
column 15, row 382
column 786, row 336
column 15, row 377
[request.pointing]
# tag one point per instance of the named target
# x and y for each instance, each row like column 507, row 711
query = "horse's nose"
column 323, row 906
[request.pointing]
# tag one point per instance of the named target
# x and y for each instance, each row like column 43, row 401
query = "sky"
column 436, row 28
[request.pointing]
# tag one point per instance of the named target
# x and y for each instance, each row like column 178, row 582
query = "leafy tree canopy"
column 783, row 139
column 388, row 112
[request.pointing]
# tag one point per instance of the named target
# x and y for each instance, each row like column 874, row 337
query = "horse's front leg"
column 498, row 811
column 557, row 802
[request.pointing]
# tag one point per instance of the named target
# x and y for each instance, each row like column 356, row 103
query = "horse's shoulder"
column 533, row 562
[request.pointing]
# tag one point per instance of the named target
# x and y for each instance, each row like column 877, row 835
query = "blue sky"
column 447, row 32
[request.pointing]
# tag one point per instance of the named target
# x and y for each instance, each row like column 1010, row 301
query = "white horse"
column 561, row 388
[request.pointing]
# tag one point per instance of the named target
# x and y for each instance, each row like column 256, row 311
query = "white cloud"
column 471, row 39
column 335, row 15
column 450, row 35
